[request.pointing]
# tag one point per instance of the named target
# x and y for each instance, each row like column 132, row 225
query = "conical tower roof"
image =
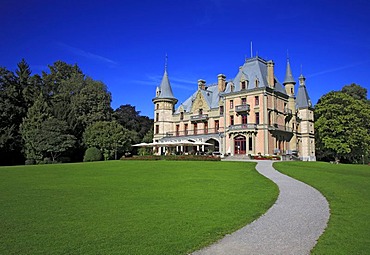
column 288, row 74
column 303, row 100
column 165, row 87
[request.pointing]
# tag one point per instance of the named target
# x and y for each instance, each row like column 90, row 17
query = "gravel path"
column 291, row 226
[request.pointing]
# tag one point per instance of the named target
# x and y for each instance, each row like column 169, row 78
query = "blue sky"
column 124, row 43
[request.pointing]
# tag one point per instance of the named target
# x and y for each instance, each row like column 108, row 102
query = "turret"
column 164, row 106
column 306, row 140
column 289, row 81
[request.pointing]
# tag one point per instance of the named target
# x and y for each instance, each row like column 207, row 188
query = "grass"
column 127, row 207
column 347, row 189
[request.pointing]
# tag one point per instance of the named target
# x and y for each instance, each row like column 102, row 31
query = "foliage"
column 110, row 137
column 346, row 187
column 129, row 118
column 54, row 138
column 93, row 154
column 174, row 158
column 342, row 127
column 31, row 127
column 72, row 99
column 355, row 91
column 171, row 207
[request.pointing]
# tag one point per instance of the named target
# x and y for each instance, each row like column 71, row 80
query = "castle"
column 252, row 114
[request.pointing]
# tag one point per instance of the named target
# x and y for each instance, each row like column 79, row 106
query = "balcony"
column 199, row 118
column 242, row 109
column 243, row 127
column 277, row 127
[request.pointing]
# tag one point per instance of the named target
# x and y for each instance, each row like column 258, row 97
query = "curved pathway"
column 291, row 226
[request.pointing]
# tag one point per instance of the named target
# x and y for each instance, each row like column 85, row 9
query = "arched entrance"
column 215, row 145
column 240, row 145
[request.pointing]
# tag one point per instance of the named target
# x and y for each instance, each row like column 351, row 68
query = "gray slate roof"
column 288, row 75
column 252, row 70
column 165, row 90
column 303, row 100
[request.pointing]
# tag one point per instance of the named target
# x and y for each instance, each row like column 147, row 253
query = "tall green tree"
column 54, row 139
column 108, row 136
column 355, row 91
column 129, row 118
column 92, row 104
column 31, row 129
column 11, row 114
column 342, row 127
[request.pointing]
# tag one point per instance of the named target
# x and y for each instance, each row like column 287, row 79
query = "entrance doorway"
column 240, row 145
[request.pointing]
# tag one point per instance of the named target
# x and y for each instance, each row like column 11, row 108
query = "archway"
column 240, row 145
column 215, row 145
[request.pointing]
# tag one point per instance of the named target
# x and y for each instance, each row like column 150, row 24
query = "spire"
column 165, row 90
column 303, row 100
column 288, row 75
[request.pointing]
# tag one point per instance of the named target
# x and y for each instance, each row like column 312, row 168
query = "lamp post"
column 363, row 159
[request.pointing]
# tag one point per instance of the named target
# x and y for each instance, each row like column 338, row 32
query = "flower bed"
column 175, row 157
column 262, row 157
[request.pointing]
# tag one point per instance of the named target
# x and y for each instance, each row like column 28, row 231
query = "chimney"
column 201, row 84
column 221, row 82
column 270, row 74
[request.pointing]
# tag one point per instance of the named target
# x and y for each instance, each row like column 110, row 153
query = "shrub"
column 48, row 161
column 30, row 162
column 175, row 157
column 93, row 154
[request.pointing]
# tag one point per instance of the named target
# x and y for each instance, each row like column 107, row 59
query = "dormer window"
column 200, row 111
column 256, row 82
column 243, row 85
column 181, row 115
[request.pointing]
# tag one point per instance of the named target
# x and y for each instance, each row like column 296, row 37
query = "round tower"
column 164, row 106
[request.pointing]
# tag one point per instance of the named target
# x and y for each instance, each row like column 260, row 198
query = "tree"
column 342, row 125
column 53, row 138
column 31, row 127
column 92, row 104
column 11, row 114
column 109, row 137
column 129, row 118
column 355, row 91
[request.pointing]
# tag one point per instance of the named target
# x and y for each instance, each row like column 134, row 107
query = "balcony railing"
column 242, row 109
column 195, row 132
column 243, row 126
column 279, row 128
column 199, row 118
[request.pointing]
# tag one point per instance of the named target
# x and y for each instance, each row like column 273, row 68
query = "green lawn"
column 127, row 207
column 347, row 189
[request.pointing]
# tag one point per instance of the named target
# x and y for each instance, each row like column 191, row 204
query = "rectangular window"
column 257, row 118
column 231, row 104
column 206, row 127
column 181, row 115
column 250, row 144
column 157, row 129
column 256, row 100
column 221, row 110
column 231, row 120
column 217, row 125
column 195, row 128
column 243, row 84
column 244, row 119
column 157, row 117
column 186, row 129
column 177, row 130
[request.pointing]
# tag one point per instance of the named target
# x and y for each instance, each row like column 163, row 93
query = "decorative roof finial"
column 166, row 63
column 251, row 49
